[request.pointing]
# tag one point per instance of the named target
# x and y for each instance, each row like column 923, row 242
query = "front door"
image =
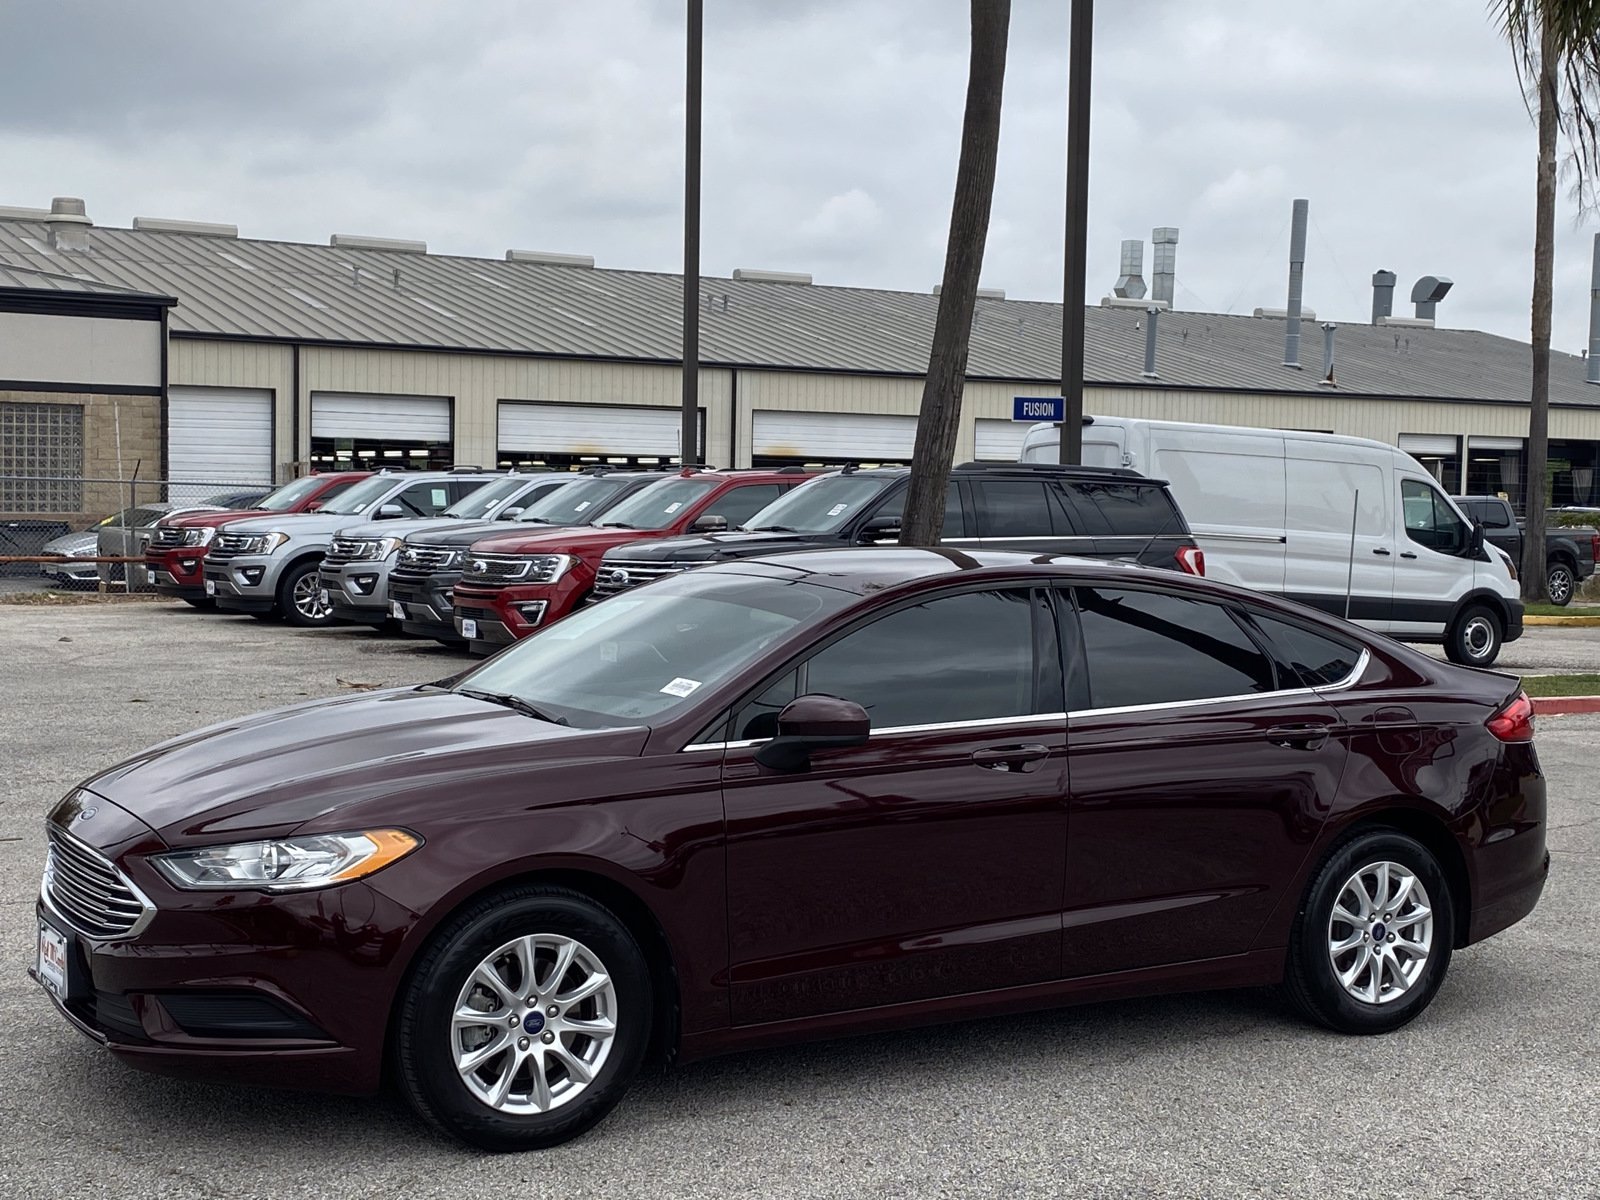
column 1202, row 770
column 1430, row 574
column 928, row 862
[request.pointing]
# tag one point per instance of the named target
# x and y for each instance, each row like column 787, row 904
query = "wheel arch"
column 1435, row 835
column 629, row 908
column 1491, row 600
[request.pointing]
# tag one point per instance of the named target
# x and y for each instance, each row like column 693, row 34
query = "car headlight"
column 389, row 547
column 287, row 864
column 547, row 568
column 84, row 552
column 266, row 543
column 199, row 537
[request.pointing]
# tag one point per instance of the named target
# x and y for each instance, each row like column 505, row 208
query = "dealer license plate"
column 397, row 610
column 51, row 963
column 211, row 587
column 469, row 629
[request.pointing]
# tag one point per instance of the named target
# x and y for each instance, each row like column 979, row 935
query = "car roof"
column 1018, row 470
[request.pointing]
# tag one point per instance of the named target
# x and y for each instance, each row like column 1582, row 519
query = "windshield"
column 487, row 498
column 658, row 505
column 824, row 505
column 290, row 494
column 577, row 503
column 640, row 656
column 361, row 497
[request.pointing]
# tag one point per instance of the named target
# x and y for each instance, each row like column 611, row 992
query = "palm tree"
column 1556, row 47
column 940, row 415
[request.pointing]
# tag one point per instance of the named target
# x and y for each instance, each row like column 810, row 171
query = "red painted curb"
column 1554, row 706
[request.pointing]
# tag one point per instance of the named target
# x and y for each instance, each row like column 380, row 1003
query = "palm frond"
column 1568, row 33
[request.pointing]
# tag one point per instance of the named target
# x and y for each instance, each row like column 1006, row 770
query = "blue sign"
column 1038, row 408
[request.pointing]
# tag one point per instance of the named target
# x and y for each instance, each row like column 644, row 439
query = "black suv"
column 432, row 561
column 1095, row 512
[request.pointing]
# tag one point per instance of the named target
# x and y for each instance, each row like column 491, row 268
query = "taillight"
column 1594, row 546
column 1514, row 722
column 1192, row 560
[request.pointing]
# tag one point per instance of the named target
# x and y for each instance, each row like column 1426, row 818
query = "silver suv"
column 267, row 566
column 355, row 570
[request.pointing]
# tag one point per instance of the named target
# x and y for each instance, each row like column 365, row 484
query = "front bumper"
column 428, row 605
column 179, row 572
column 1515, row 611
column 77, row 574
column 358, row 591
column 243, row 583
column 508, row 614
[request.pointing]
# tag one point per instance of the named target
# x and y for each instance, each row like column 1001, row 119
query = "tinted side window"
column 1012, row 508
column 955, row 523
column 1157, row 648
column 1319, row 660
column 1132, row 511
column 1429, row 519
column 958, row 658
column 739, row 504
column 423, row 499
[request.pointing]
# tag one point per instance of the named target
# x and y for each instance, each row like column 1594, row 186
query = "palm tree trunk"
column 1534, row 582
column 940, row 417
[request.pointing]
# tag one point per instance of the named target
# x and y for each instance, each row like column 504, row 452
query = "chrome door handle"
column 1011, row 758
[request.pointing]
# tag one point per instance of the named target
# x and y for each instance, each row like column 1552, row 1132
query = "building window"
column 41, row 457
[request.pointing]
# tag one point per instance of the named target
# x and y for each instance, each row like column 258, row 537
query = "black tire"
column 266, row 617
column 203, row 603
column 296, row 612
column 1310, row 978
column 1475, row 637
column 424, row 1037
column 1561, row 583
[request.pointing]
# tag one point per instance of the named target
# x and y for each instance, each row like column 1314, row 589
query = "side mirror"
column 507, row 514
column 1475, row 541
column 314, row 506
column 387, row 512
column 710, row 523
column 811, row 723
column 879, row 528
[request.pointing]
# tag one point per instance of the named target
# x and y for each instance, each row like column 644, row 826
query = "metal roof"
column 241, row 288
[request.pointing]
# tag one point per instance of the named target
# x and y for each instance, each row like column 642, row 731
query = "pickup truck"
column 1569, row 550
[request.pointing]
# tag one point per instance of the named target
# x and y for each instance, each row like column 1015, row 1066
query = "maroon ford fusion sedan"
column 814, row 794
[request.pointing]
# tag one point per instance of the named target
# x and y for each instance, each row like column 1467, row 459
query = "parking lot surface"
column 1493, row 1092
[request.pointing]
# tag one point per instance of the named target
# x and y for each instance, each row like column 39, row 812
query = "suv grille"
column 344, row 550
column 89, row 892
column 496, row 570
column 167, row 536
column 618, row 575
column 226, row 545
column 426, row 558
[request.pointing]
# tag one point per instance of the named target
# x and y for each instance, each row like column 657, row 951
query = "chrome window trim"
column 1271, row 539
column 134, row 930
column 1344, row 684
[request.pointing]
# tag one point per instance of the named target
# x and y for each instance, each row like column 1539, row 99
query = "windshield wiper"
column 515, row 704
column 616, row 525
column 772, row 529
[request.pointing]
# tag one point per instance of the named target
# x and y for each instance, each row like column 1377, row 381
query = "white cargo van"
column 1344, row 524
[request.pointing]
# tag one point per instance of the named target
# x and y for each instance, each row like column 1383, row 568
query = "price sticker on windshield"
column 681, row 687
column 675, row 506
column 837, row 509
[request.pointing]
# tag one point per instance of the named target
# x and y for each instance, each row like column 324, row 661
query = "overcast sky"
column 831, row 135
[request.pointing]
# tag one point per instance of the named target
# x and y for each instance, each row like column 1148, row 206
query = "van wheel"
column 1560, row 583
column 1474, row 640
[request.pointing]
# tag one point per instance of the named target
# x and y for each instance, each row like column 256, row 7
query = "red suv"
column 176, row 555
column 517, row 582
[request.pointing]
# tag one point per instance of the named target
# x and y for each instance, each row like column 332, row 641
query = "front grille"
column 226, row 545
column 344, row 550
column 167, row 537
column 495, row 570
column 89, row 892
column 423, row 559
column 618, row 575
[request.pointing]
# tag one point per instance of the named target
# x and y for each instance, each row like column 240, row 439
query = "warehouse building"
column 183, row 352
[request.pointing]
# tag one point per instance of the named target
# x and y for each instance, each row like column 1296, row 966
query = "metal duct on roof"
column 1297, row 279
column 1382, row 295
column 1164, row 267
column 356, row 241
column 194, row 228
column 550, row 258
column 1130, row 281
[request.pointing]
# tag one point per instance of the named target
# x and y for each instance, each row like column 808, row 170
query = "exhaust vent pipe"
column 1427, row 293
column 69, row 224
column 1164, row 268
column 1151, row 315
column 1382, row 295
column 1297, row 280
column 1130, row 283
column 1327, row 379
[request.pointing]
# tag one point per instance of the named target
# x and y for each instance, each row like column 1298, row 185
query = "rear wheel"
column 525, row 1021
column 300, row 596
column 1561, row 582
column 1373, row 937
column 1475, row 637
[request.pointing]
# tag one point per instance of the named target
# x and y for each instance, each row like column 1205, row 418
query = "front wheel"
column 301, row 598
column 1474, row 640
column 1372, row 941
column 525, row 1021
column 1561, row 583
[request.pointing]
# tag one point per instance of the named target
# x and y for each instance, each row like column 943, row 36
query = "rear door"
column 1201, row 770
column 1026, row 515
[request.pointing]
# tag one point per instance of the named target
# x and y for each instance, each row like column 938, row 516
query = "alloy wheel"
column 1560, row 585
column 534, row 1024
column 1380, row 932
column 307, row 599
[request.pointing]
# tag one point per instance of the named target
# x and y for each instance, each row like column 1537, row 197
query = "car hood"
column 575, row 539
column 464, row 533
column 317, row 524
column 392, row 527
column 375, row 757
column 72, row 543
column 714, row 547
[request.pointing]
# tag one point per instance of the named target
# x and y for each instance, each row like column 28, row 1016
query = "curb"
column 1557, row 706
column 1570, row 622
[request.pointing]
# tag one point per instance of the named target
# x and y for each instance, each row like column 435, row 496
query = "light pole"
column 1077, row 243
column 689, row 438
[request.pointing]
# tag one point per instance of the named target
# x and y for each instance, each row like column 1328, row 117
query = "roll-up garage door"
column 380, row 417
column 999, row 441
column 219, row 435
column 590, row 429
column 840, row 436
column 1430, row 443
